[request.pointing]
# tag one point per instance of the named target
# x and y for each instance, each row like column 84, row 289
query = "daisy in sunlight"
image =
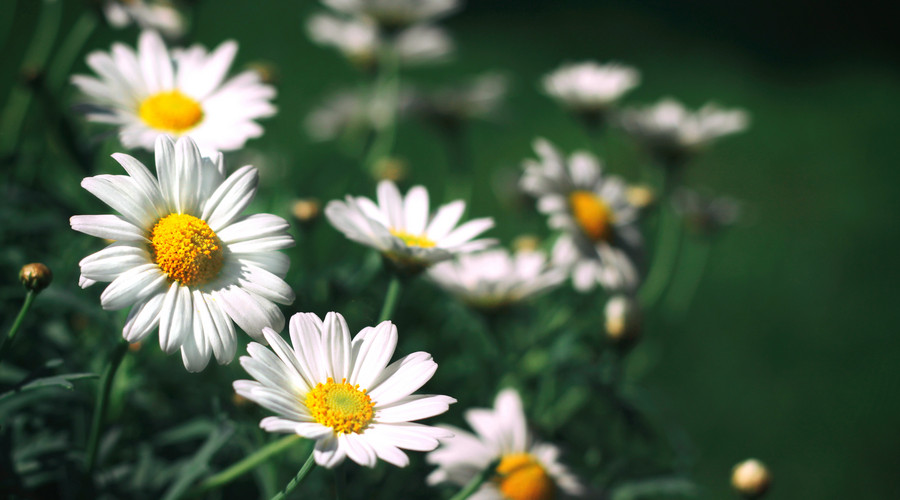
column 183, row 257
column 183, row 93
column 342, row 392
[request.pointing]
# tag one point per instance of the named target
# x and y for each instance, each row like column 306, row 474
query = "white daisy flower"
column 495, row 278
column 159, row 16
column 184, row 258
column 394, row 14
column 401, row 230
column 343, row 393
column 601, row 242
column 528, row 469
column 152, row 92
column 590, row 87
column 671, row 132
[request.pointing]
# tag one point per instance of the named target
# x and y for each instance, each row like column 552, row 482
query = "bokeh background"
column 788, row 352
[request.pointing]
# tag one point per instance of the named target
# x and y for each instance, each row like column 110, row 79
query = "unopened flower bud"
column 390, row 169
column 751, row 478
column 640, row 196
column 526, row 243
column 623, row 319
column 306, row 210
column 35, row 276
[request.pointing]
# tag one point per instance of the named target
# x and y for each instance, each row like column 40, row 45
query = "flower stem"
column 240, row 468
column 115, row 359
column 310, row 462
column 6, row 342
column 665, row 257
column 390, row 299
column 476, row 481
column 387, row 88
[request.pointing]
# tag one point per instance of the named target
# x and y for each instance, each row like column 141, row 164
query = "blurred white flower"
column 403, row 230
column 590, row 87
column 495, row 278
column 159, row 16
column 671, row 132
column 601, row 242
column 352, row 111
column 705, row 214
column 152, row 92
column 183, row 257
column 423, row 44
column 528, row 469
column 481, row 97
column 342, row 393
column 395, row 14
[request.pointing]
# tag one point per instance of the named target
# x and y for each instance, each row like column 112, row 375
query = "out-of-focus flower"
column 623, row 319
column 601, row 242
column 159, row 16
column 528, row 469
column 390, row 168
column 423, row 44
column 751, row 478
column 306, row 210
column 350, row 111
column 342, row 393
column 152, row 92
column 35, row 276
column 183, row 257
column 495, row 278
column 479, row 98
column 590, row 88
column 641, row 196
column 671, row 133
column 395, row 14
column 402, row 229
column 706, row 215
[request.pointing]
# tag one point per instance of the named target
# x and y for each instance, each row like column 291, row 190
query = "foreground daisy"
column 402, row 230
column 343, row 393
column 395, row 14
column 152, row 92
column 528, row 469
column 495, row 278
column 601, row 242
column 183, row 257
column 159, row 16
column 589, row 87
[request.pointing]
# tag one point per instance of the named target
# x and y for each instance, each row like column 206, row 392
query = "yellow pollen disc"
column 592, row 214
column 413, row 240
column 343, row 407
column 521, row 477
column 171, row 111
column 186, row 249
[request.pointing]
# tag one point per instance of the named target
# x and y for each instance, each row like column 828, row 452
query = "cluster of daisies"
column 191, row 265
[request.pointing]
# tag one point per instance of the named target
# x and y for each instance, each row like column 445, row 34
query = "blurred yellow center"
column 186, row 249
column 343, row 407
column 171, row 111
column 592, row 214
column 521, row 477
column 413, row 240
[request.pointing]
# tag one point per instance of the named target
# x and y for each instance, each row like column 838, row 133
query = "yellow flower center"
column 343, row 407
column 592, row 214
column 171, row 111
column 521, row 477
column 413, row 240
column 186, row 249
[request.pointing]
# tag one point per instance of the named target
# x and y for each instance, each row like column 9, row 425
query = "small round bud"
column 390, row 169
column 526, row 243
column 623, row 319
column 751, row 478
column 35, row 276
column 640, row 196
column 306, row 210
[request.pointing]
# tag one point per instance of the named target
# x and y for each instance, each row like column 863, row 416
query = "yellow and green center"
column 521, row 477
column 186, row 249
column 171, row 111
column 343, row 407
column 592, row 214
column 413, row 240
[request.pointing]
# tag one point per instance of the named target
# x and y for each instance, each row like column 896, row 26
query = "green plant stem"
column 387, row 88
column 69, row 49
column 691, row 273
column 310, row 462
column 109, row 372
column 476, row 482
column 248, row 463
column 6, row 342
column 390, row 299
column 665, row 257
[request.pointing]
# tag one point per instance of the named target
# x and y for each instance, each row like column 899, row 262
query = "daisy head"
column 342, row 392
column 183, row 93
column 392, row 15
column 602, row 243
column 589, row 86
column 402, row 229
column 528, row 469
column 183, row 257
column 159, row 16
column 496, row 278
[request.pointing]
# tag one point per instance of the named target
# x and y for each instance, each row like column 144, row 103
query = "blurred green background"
column 787, row 353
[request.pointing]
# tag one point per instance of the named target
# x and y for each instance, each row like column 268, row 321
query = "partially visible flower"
column 183, row 257
column 601, row 242
column 351, row 111
column 704, row 214
column 672, row 133
column 153, row 92
column 751, row 478
column 641, row 196
column 342, row 393
column 590, row 87
column 479, row 98
column 395, row 14
column 306, row 210
column 528, row 469
column 159, row 16
column 495, row 278
column 403, row 230
column 423, row 44
column 623, row 319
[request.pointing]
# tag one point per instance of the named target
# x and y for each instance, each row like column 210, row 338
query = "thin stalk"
column 692, row 271
column 387, row 88
column 6, row 342
column 390, row 299
column 115, row 359
column 71, row 46
column 310, row 462
column 476, row 482
column 248, row 463
column 668, row 243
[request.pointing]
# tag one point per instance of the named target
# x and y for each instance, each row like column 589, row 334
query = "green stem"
column 691, row 272
column 310, row 462
column 115, row 359
column 668, row 242
column 247, row 464
column 6, row 342
column 390, row 299
column 476, row 482
column 69, row 49
column 388, row 89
